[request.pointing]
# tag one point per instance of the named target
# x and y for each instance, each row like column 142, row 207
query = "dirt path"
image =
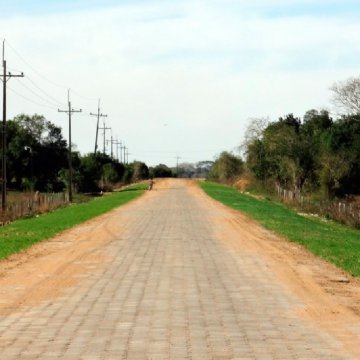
column 175, row 275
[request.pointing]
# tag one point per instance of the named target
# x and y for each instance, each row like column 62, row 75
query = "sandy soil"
column 331, row 296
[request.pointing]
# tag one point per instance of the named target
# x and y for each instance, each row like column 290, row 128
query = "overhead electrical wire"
column 37, row 95
column 82, row 96
column 184, row 151
column 45, row 93
column 32, row 68
column 47, row 101
column 44, row 77
column 30, row 100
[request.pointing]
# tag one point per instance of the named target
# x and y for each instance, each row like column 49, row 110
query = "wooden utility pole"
column 5, row 77
column 69, row 112
column 124, row 148
column 127, row 156
column 111, row 146
column 177, row 165
column 112, row 142
column 118, row 145
column 104, row 128
column 121, row 151
column 98, row 115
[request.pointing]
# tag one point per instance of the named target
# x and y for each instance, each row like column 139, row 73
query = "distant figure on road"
column 151, row 183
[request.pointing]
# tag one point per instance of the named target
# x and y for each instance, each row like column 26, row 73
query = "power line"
column 82, row 96
column 44, row 92
column 32, row 101
column 54, row 83
column 184, row 151
column 33, row 69
column 13, row 69
column 37, row 95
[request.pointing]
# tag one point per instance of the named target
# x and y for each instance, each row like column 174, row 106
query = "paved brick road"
column 169, row 288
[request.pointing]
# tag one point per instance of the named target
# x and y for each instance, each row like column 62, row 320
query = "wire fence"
column 345, row 211
column 37, row 204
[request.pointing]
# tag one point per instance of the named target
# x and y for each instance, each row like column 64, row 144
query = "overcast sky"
column 176, row 78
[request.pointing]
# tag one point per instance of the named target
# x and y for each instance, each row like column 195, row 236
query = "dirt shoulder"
column 46, row 269
column 330, row 296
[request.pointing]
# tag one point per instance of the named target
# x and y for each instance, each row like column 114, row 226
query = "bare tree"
column 254, row 130
column 346, row 95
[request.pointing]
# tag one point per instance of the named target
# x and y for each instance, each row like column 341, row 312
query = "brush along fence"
column 37, row 204
column 345, row 211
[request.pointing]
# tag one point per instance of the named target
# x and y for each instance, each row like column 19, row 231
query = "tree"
column 227, row 168
column 203, row 168
column 185, row 170
column 36, row 153
column 161, row 171
column 282, row 150
column 318, row 153
column 109, row 176
column 340, row 157
column 20, row 153
column 346, row 95
column 254, row 131
column 281, row 153
column 256, row 160
column 334, row 168
column 314, row 127
column 99, row 172
column 36, row 125
column 140, row 171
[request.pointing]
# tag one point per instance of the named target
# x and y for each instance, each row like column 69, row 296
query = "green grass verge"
column 24, row 232
column 334, row 242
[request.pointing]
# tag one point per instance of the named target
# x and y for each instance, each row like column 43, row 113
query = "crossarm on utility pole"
column 98, row 115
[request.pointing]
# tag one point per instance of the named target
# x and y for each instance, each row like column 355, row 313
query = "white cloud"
column 201, row 67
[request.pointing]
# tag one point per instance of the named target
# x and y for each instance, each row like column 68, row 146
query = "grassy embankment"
column 334, row 242
column 24, row 232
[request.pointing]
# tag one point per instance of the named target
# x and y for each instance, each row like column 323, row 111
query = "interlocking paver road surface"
column 155, row 279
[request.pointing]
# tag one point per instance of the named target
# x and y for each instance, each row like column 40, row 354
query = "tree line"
column 317, row 154
column 37, row 159
column 313, row 155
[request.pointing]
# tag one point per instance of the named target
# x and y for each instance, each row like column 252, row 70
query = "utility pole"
column 111, row 145
column 121, row 152
column 177, row 165
column 124, row 148
column 112, row 142
column 104, row 128
column 127, row 156
column 5, row 78
column 98, row 115
column 118, row 144
column 69, row 112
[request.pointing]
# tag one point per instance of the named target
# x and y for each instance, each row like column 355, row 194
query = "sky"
column 176, row 78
